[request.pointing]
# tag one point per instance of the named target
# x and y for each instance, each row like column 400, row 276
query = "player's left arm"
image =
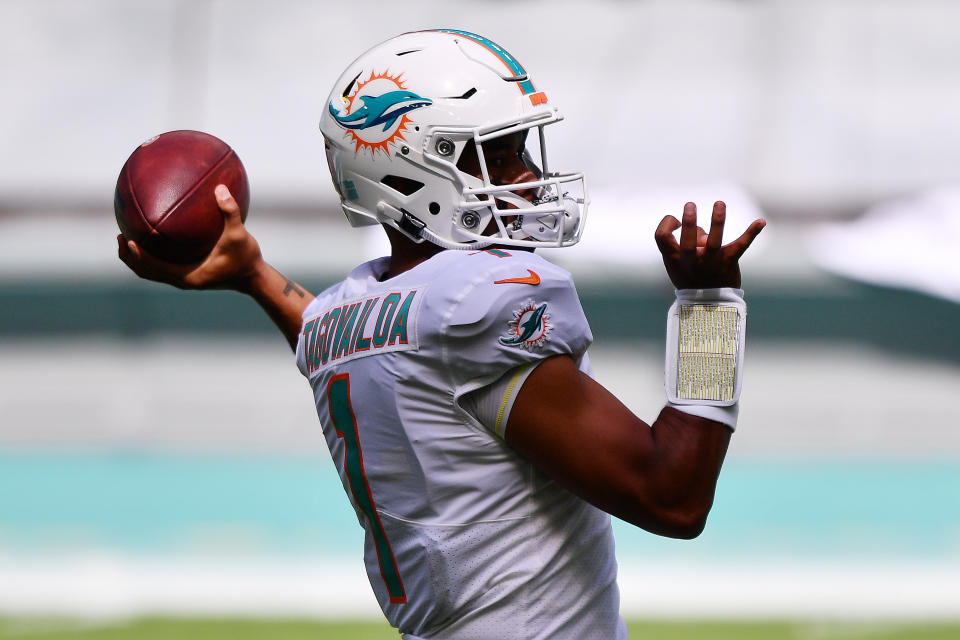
column 235, row 263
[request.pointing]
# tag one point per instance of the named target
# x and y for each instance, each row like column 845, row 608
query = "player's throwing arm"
column 235, row 262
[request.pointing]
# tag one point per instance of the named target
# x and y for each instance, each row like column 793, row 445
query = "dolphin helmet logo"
column 529, row 328
column 384, row 109
column 375, row 114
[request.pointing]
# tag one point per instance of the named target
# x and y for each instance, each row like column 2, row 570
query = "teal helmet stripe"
column 515, row 67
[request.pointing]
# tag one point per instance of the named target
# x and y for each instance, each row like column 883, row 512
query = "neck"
column 406, row 254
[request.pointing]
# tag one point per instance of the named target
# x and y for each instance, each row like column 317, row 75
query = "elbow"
column 685, row 526
column 683, row 522
column 683, row 519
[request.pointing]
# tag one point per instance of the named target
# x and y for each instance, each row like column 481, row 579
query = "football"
column 164, row 198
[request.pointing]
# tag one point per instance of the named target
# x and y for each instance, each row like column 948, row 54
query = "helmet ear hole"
column 406, row 186
column 434, row 208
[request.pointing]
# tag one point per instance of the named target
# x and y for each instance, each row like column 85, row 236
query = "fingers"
column 664, row 234
column 741, row 244
column 228, row 205
column 148, row 267
column 688, row 229
column 700, row 259
column 691, row 235
column 129, row 253
column 715, row 239
column 123, row 251
column 701, row 237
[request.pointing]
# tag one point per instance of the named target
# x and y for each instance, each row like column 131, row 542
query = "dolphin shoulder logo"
column 375, row 115
column 529, row 328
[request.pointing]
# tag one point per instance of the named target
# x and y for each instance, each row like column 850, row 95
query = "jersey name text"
column 362, row 327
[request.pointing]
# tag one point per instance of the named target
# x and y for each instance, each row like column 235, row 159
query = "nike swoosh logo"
column 533, row 279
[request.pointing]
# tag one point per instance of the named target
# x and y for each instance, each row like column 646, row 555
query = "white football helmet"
column 398, row 122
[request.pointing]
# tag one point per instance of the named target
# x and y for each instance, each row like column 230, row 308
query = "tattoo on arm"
column 292, row 286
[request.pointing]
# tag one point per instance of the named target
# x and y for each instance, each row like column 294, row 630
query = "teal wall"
column 899, row 321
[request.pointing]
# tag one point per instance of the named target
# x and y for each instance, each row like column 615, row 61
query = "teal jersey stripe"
column 515, row 67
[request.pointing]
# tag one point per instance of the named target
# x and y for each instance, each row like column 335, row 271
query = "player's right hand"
column 231, row 264
column 700, row 260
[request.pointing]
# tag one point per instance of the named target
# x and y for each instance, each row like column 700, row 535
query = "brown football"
column 164, row 198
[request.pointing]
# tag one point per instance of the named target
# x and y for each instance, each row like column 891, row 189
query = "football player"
column 451, row 378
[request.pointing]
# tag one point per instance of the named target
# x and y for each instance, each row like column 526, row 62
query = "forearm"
column 281, row 298
column 688, row 454
column 661, row 477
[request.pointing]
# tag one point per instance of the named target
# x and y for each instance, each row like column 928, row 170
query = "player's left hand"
column 230, row 264
column 700, row 260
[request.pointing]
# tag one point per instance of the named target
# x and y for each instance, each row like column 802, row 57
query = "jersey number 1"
column 345, row 423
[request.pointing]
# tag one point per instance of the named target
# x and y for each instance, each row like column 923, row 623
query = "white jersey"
column 464, row 538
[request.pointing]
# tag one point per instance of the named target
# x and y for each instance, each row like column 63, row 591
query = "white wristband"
column 726, row 415
column 706, row 332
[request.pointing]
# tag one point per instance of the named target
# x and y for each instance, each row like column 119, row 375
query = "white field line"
column 112, row 587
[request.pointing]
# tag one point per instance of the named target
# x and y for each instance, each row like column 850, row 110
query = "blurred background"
column 159, row 451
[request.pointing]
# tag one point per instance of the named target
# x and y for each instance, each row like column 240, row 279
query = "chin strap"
column 404, row 222
column 426, row 234
column 417, row 231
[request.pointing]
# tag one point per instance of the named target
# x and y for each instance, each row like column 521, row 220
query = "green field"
column 213, row 629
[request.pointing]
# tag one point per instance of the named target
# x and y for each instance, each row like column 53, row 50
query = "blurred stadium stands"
column 818, row 108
